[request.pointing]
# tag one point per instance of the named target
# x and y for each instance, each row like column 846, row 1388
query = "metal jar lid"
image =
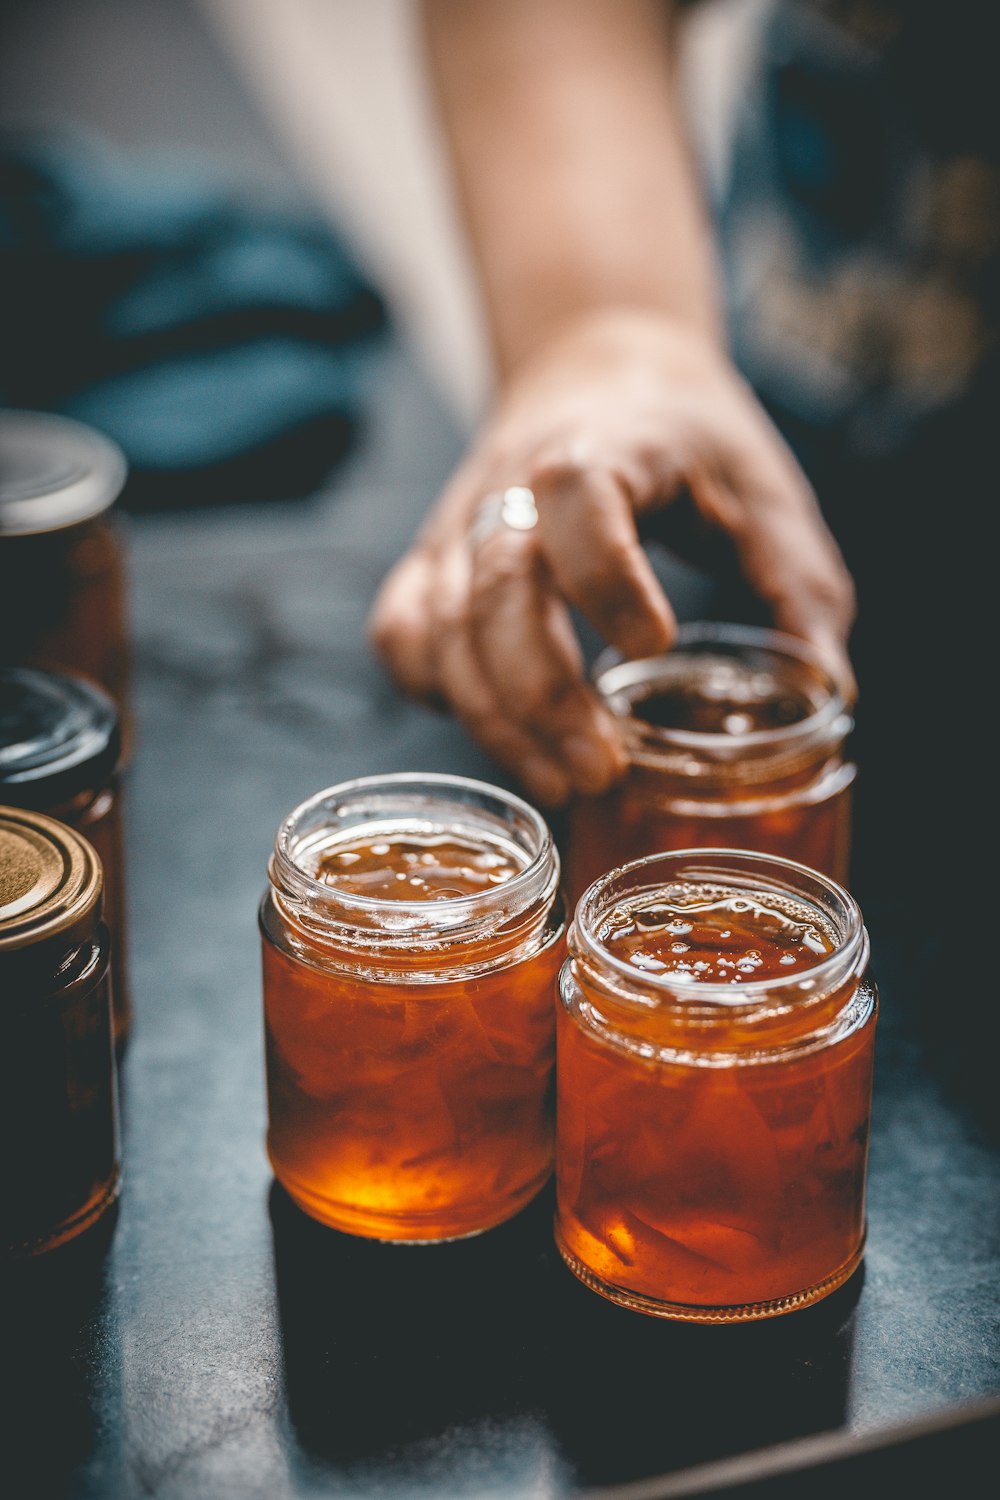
column 50, row 881
column 59, row 736
column 54, row 472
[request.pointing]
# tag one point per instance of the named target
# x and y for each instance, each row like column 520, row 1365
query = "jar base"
column 428, row 1228
column 680, row 1312
column 70, row 1228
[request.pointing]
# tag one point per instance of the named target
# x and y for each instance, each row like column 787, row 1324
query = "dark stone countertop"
column 213, row 1342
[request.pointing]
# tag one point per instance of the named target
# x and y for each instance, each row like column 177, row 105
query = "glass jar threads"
column 60, row 753
column 58, row 1107
column 62, row 599
column 735, row 739
column 715, row 1040
column 412, row 934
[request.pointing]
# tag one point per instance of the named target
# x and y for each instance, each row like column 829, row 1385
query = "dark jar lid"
column 59, row 736
column 54, row 472
column 50, row 882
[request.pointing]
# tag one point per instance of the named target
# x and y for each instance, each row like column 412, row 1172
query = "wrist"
column 603, row 336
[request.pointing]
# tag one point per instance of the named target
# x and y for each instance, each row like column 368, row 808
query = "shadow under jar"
column 59, row 1151
column 60, row 753
column 62, row 589
column 715, row 1043
column 412, row 934
column 735, row 739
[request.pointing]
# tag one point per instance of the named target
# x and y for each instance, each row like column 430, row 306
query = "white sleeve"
column 345, row 87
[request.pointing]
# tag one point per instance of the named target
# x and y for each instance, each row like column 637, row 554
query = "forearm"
column 571, row 163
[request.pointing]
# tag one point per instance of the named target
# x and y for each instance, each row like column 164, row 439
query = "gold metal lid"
column 50, row 881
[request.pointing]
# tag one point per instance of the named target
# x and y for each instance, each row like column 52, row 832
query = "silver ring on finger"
column 513, row 509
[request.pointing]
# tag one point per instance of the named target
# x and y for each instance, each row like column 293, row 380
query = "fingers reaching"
column 588, row 532
column 477, row 616
column 525, row 645
column 502, row 657
column 758, row 495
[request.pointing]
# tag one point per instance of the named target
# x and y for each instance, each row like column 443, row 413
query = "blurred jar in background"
column 60, row 753
column 59, row 1150
column 62, row 591
column 735, row 740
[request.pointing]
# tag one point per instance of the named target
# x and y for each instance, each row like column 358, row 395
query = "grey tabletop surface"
column 214, row 1342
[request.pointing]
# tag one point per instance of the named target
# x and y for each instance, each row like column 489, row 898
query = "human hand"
column 615, row 419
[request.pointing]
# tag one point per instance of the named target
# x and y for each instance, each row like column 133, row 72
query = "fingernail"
column 545, row 781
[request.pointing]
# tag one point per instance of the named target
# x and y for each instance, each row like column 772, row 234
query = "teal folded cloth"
column 223, row 344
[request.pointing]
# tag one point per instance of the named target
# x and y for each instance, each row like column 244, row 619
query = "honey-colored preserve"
column 715, row 1044
column 735, row 739
column 409, row 1085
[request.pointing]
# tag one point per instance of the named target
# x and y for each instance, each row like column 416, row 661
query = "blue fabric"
column 223, row 344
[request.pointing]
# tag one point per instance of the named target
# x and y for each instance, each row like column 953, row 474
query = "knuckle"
column 500, row 565
column 450, row 613
column 539, row 691
column 555, row 470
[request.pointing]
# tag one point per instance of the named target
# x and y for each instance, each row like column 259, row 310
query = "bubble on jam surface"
column 729, row 937
column 403, row 864
column 647, row 961
column 737, row 724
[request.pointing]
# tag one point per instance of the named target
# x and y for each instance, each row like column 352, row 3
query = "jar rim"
column 440, row 790
column 60, row 735
column 613, row 676
column 851, row 952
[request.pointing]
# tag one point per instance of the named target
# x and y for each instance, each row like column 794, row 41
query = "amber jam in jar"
column 715, row 1042
column 413, row 931
column 62, row 590
column 60, row 753
column 59, row 1154
column 735, row 739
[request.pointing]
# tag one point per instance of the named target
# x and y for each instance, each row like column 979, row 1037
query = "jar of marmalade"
column 58, row 1105
column 62, row 599
column 735, row 739
column 60, row 753
column 715, row 1041
column 412, row 934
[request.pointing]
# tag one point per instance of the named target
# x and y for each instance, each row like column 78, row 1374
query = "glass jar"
column 412, row 934
column 715, row 1041
column 60, row 753
column 735, row 739
column 62, row 591
column 58, row 1103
